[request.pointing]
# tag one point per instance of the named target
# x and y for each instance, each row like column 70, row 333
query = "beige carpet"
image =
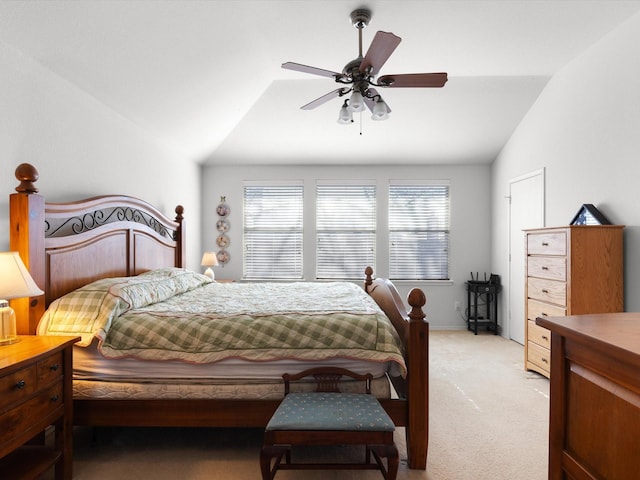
column 488, row 420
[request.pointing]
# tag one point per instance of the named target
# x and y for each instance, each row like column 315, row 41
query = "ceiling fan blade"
column 307, row 69
column 434, row 80
column 323, row 99
column 370, row 102
column 381, row 48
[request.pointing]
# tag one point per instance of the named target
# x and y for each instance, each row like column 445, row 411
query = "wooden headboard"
column 67, row 245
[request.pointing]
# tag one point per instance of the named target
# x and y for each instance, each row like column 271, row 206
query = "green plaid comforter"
column 195, row 320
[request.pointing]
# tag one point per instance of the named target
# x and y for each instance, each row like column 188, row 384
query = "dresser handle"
column 545, row 244
column 545, row 360
column 544, row 314
column 544, row 290
column 54, row 368
column 55, row 398
column 20, row 384
column 544, row 337
column 545, row 268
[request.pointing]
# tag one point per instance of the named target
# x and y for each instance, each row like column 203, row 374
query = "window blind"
column 345, row 230
column 419, row 231
column 273, row 227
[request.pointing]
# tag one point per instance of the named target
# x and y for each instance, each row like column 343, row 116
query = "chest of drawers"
column 35, row 393
column 569, row 271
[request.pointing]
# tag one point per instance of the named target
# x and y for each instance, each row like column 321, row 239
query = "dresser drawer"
column 537, row 309
column 552, row 291
column 547, row 243
column 539, row 355
column 17, row 386
column 50, row 369
column 538, row 334
column 554, row 268
column 33, row 415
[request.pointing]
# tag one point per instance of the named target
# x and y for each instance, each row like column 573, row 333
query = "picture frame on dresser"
column 589, row 215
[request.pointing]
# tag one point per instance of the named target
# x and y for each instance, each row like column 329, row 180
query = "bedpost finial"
column 179, row 211
column 368, row 278
column 27, row 175
column 417, row 299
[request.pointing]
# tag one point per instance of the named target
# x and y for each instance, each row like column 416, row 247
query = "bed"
column 124, row 241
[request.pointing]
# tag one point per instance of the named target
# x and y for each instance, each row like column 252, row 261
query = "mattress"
column 98, row 377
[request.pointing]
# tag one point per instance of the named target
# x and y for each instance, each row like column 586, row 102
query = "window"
column 273, row 231
column 345, row 229
column 418, row 231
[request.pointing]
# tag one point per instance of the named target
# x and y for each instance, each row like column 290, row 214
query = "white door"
column 526, row 210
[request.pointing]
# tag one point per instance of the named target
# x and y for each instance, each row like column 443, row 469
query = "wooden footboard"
column 68, row 245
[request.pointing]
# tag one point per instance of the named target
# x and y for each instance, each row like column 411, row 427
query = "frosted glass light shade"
column 356, row 102
column 345, row 117
column 380, row 110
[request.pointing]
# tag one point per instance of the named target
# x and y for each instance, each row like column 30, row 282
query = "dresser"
column 569, row 271
column 36, row 395
column 594, row 417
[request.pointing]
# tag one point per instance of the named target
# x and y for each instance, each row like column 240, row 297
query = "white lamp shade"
column 15, row 281
column 209, row 259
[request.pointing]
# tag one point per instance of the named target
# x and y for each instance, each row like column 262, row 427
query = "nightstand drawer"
column 547, row 243
column 33, row 415
column 50, row 369
column 17, row 386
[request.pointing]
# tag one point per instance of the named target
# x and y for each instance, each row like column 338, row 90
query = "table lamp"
column 209, row 260
column 15, row 282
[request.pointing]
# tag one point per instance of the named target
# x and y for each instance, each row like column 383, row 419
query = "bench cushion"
column 331, row 411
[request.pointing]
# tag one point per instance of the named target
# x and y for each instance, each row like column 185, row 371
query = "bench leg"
column 390, row 452
column 267, row 454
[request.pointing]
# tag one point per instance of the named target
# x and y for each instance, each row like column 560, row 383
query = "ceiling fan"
column 358, row 77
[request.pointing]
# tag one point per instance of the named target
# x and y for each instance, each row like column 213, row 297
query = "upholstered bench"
column 328, row 417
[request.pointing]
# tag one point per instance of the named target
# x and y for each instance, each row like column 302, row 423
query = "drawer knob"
column 544, row 314
column 55, row 398
column 545, row 360
column 20, row 384
column 55, row 367
column 544, row 337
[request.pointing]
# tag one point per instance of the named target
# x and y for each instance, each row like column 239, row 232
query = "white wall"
column 82, row 148
column 470, row 217
column 584, row 130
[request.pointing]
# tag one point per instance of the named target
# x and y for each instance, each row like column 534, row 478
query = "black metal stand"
column 482, row 304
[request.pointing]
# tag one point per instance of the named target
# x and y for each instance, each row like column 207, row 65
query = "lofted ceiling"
column 204, row 77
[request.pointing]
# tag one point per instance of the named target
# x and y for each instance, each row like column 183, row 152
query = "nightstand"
column 35, row 393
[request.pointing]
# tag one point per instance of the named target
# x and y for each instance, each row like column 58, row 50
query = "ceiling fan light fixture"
column 356, row 102
column 380, row 110
column 345, row 117
column 360, row 75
